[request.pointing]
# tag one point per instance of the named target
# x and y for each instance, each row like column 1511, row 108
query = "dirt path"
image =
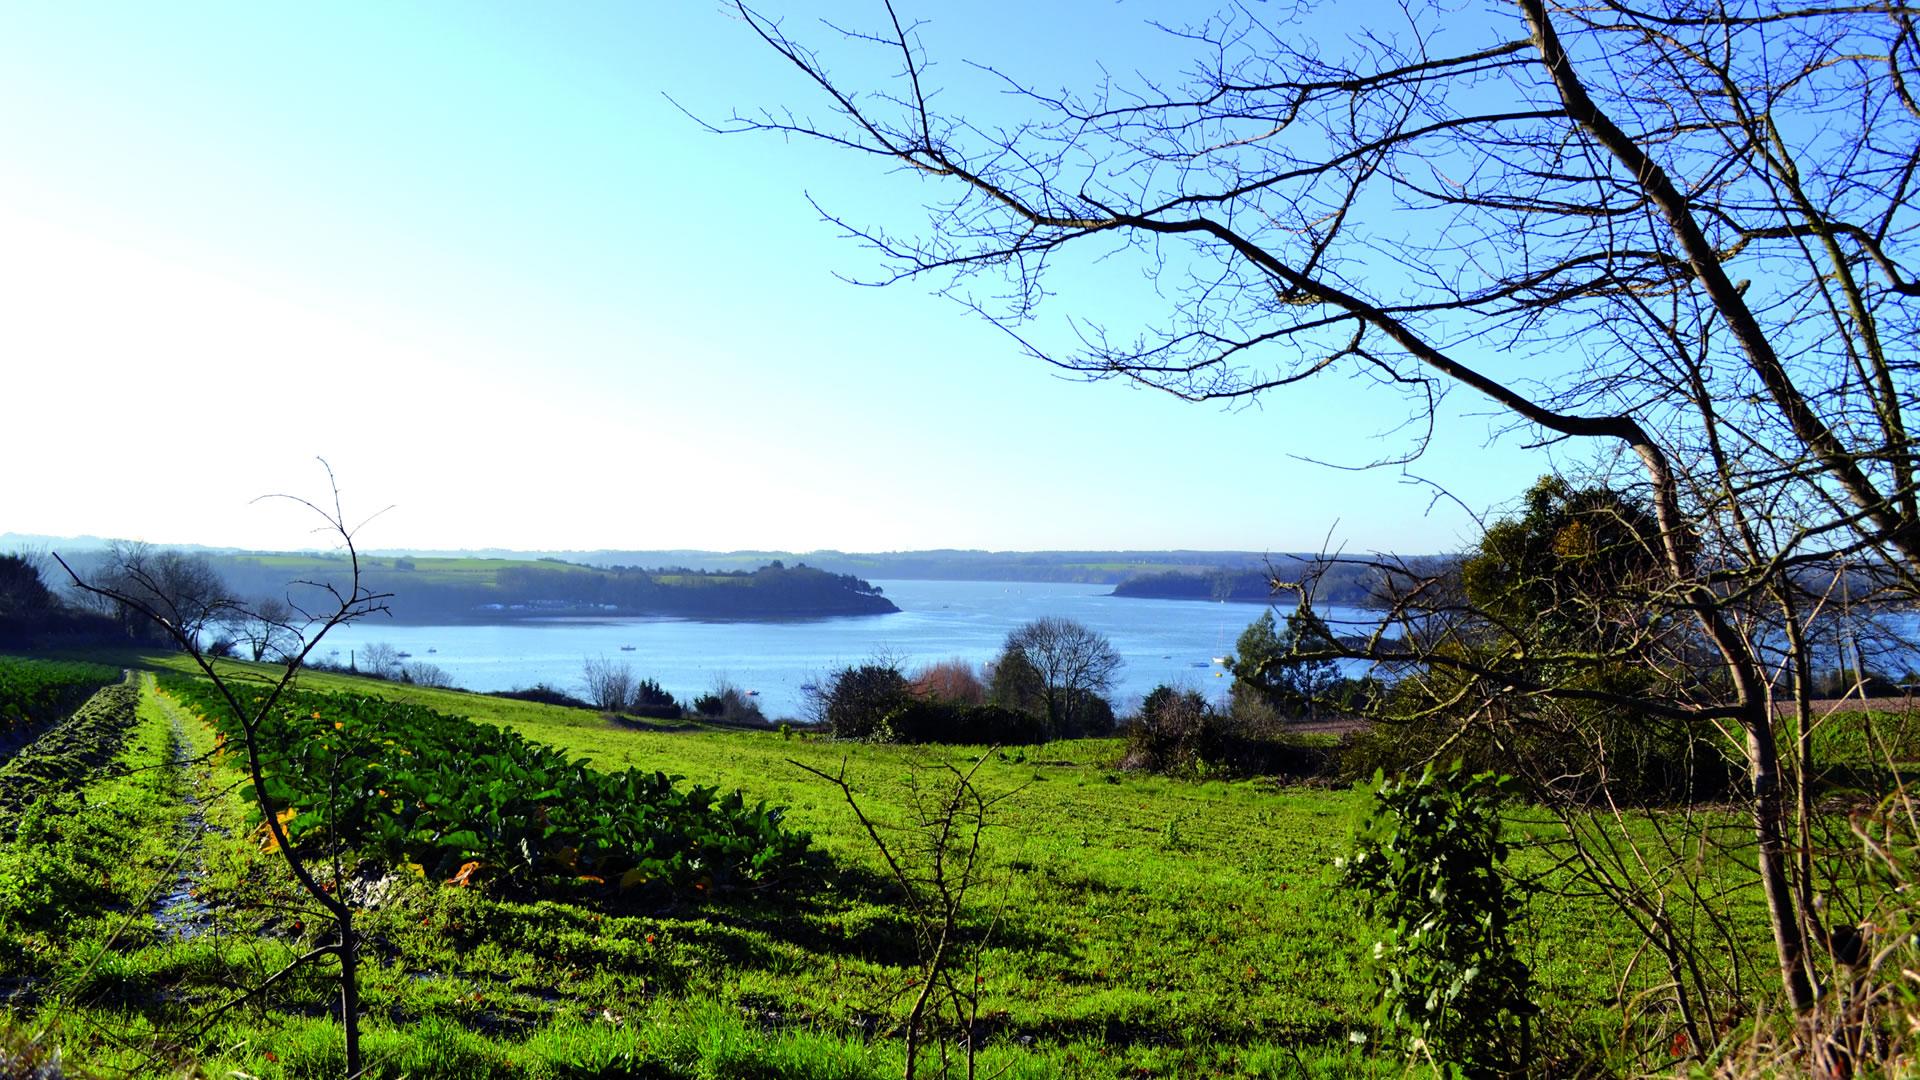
column 179, row 911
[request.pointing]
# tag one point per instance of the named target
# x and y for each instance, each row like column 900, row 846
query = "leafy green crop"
column 467, row 801
column 39, row 690
column 72, row 751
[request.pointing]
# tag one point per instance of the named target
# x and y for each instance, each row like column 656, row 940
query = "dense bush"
column 1014, row 683
column 32, row 617
column 1087, row 715
column 1176, row 732
column 649, row 694
column 544, row 695
column 22, row 593
column 858, row 699
column 1179, row 733
column 920, row 721
column 728, row 704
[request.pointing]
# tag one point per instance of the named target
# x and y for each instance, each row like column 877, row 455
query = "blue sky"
column 472, row 255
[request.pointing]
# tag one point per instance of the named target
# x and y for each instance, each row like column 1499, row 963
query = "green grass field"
column 435, row 571
column 1134, row 926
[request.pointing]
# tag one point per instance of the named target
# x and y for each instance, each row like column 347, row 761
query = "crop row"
column 35, row 691
column 70, row 752
column 469, row 802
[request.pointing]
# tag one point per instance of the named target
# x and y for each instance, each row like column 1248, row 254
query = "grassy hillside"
column 1134, row 926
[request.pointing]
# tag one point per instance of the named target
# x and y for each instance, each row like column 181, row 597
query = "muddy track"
column 178, row 910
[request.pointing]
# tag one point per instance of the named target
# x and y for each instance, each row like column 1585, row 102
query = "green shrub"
column 1427, row 863
column 1179, row 733
column 966, row 725
column 859, row 699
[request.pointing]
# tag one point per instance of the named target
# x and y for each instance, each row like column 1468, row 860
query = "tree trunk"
column 1789, row 943
column 349, row 989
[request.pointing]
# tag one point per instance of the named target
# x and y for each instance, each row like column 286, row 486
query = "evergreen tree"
column 1281, row 667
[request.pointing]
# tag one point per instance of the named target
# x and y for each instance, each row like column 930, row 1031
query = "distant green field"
column 436, row 571
column 696, row 581
column 1137, row 926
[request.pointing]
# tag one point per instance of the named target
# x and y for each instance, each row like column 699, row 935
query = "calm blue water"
column 1170, row 641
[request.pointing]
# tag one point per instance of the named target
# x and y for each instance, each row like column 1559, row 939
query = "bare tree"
column 266, row 627
column 1673, row 241
column 956, row 680
column 380, row 659
column 1076, row 664
column 184, row 588
column 609, row 683
column 423, row 674
column 174, row 596
column 936, row 863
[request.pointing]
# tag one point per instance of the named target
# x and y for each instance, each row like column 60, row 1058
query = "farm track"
column 180, row 913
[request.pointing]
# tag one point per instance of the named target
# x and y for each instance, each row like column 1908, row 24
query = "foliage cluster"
column 954, row 681
column 471, row 802
column 1428, row 865
column 726, row 703
column 32, row 616
column 1291, row 669
column 22, row 593
column 922, row 721
column 1180, row 733
column 875, row 702
column 857, row 699
column 1557, row 596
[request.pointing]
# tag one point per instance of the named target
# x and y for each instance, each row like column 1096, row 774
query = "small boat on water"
column 430, row 651
column 404, row 655
column 626, row 648
column 1221, row 660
